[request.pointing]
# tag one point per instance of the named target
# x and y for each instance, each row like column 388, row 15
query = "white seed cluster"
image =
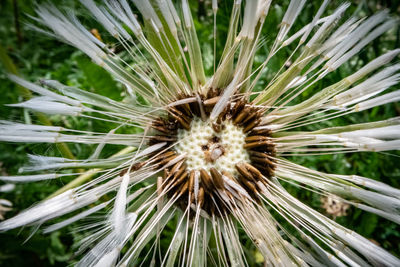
column 231, row 139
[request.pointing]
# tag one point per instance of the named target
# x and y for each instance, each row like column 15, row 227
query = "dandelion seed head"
column 229, row 147
column 205, row 152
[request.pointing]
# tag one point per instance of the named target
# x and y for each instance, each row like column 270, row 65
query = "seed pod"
column 241, row 115
column 251, row 125
column 217, row 178
column 255, row 138
column 216, row 127
column 183, row 189
column 263, row 161
column 181, row 121
column 244, row 172
column 163, row 138
column 206, row 180
column 254, row 171
column 238, row 107
column 257, row 144
column 211, row 101
column 191, row 180
column 180, row 179
column 166, row 160
column 266, row 132
column 248, row 118
column 200, row 197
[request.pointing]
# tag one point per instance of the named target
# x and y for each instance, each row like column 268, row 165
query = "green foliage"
column 97, row 79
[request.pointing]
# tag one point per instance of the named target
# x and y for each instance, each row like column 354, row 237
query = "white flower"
column 211, row 154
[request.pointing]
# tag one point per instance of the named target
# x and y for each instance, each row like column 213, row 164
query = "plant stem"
column 88, row 174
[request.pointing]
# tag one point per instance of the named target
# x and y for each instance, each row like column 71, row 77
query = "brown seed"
column 263, row 160
column 200, row 197
column 257, row 154
column 217, row 178
column 254, row 171
column 230, row 196
column 244, row 172
column 186, row 109
column 241, row 115
column 174, row 110
column 211, row 101
column 265, row 169
column 165, row 155
column 176, row 167
column 250, row 186
column 225, row 111
column 180, row 179
column 206, row 180
column 167, row 124
column 163, row 138
column 216, row 127
column 181, row 120
column 137, row 166
column 122, row 173
column 158, row 122
column 250, row 117
column 192, row 197
column 251, row 125
column 258, row 144
column 177, row 173
column 259, row 112
column 161, row 129
column 255, row 138
column 266, row 132
column 266, row 182
column 238, row 107
column 191, row 180
column 184, row 187
column 166, row 160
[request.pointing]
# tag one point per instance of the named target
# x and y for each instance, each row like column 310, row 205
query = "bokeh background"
column 34, row 56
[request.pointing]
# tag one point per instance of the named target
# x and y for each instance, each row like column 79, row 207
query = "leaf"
column 368, row 224
column 98, row 78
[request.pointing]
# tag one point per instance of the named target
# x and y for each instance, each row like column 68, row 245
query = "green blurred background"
column 35, row 56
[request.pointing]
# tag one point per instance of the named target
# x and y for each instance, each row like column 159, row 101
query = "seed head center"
column 206, row 148
column 230, row 156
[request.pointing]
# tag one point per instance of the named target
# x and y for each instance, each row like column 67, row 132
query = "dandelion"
column 211, row 156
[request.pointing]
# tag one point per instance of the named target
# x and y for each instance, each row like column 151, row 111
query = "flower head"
column 209, row 153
